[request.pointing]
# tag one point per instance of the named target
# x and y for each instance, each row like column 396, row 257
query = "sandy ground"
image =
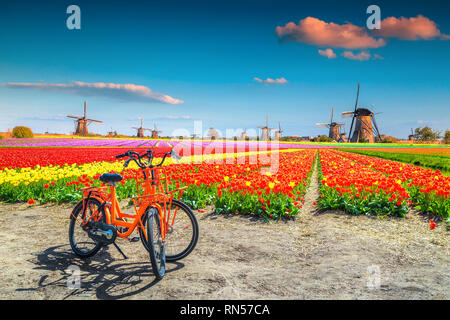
column 318, row 256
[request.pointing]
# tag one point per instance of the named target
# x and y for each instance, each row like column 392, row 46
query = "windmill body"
column 364, row 130
column 278, row 132
column 81, row 122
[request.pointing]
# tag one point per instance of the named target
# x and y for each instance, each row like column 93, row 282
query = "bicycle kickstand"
column 121, row 252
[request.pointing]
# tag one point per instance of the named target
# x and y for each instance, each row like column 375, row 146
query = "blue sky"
column 207, row 54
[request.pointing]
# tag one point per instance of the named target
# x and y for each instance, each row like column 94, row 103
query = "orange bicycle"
column 167, row 227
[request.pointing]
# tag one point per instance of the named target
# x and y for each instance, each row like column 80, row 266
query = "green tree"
column 323, row 138
column 22, row 132
column 426, row 134
column 447, row 137
column 388, row 139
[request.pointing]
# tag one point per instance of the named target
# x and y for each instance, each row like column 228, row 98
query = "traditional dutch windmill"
column 244, row 134
column 265, row 131
column 155, row 132
column 334, row 127
column 411, row 136
column 112, row 133
column 141, row 129
column 278, row 132
column 366, row 128
column 81, row 122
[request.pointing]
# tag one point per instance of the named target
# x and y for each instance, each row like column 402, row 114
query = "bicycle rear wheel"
column 182, row 234
column 155, row 244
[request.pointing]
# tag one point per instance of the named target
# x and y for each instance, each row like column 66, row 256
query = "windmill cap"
column 363, row 112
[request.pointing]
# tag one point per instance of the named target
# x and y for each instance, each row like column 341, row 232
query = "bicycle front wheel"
column 82, row 245
column 182, row 232
column 155, row 244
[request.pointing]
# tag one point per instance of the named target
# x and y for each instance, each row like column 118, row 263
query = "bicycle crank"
column 102, row 232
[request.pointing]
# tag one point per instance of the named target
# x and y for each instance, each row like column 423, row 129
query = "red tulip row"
column 354, row 187
column 428, row 189
column 31, row 157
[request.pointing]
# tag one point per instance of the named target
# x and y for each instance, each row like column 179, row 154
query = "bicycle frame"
column 154, row 193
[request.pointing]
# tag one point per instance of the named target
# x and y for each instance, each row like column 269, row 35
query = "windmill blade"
column 332, row 110
column 357, row 97
column 376, row 127
column 92, row 120
column 74, row 117
column 323, row 125
column 340, row 124
column 85, row 109
column 135, row 128
column 347, row 114
column 351, row 127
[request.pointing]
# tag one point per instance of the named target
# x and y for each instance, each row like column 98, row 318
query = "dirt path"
column 317, row 256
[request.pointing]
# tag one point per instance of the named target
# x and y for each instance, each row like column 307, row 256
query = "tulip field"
column 234, row 177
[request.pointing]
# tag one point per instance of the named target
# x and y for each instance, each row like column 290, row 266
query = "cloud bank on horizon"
column 121, row 92
column 319, row 33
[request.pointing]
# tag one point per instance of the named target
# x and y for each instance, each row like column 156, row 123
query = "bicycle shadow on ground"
column 109, row 278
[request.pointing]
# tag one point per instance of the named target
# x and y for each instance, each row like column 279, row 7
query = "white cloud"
column 122, row 92
column 362, row 56
column 271, row 81
column 327, row 53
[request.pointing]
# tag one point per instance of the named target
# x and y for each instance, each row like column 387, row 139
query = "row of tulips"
column 15, row 158
column 237, row 187
column 241, row 187
column 354, row 187
column 429, row 190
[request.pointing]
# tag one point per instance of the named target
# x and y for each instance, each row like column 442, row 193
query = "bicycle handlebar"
column 139, row 158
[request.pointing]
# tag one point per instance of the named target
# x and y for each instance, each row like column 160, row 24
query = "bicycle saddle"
column 110, row 177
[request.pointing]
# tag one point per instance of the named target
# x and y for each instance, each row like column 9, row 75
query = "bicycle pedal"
column 134, row 239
